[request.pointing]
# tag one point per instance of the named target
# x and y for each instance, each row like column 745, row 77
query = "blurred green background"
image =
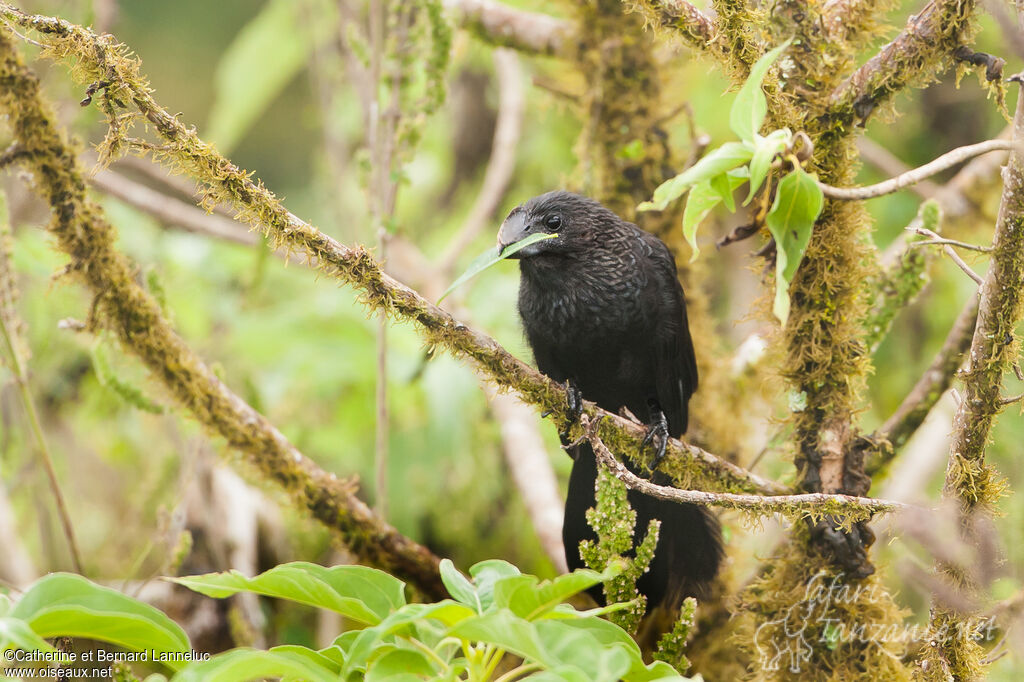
column 302, row 350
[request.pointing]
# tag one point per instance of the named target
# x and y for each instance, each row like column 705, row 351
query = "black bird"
column 603, row 311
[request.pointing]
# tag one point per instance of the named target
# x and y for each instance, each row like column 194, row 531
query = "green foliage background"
column 302, row 351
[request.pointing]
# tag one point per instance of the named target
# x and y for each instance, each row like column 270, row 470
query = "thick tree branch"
column 225, row 182
column 506, row 26
column 83, row 233
column 994, row 345
column 928, row 37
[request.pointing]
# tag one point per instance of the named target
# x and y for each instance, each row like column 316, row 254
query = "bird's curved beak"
column 514, row 229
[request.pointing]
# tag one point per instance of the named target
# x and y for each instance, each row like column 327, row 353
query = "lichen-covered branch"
column 81, row 231
column 506, row 26
column 99, row 59
column 935, row 381
column 929, row 37
column 970, row 481
column 994, row 347
column 816, row 505
column 683, row 19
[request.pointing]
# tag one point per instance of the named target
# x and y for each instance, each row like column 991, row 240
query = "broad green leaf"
column 486, row 574
column 459, row 586
column 703, row 197
column 505, row 630
column 363, row 594
column 528, row 599
column 263, row 58
column 16, row 634
column 400, row 664
column 239, row 665
column 765, row 150
column 750, row 106
column 489, row 258
column 726, row 183
column 798, row 203
column 720, row 160
column 63, row 604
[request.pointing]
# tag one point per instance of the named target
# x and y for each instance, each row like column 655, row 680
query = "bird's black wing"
column 675, row 362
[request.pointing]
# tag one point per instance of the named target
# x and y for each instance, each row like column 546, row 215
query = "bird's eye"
column 553, row 221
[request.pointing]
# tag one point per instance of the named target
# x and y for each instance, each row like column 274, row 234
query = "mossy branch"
column 82, row 231
column 994, row 347
column 813, row 505
column 929, row 37
column 100, row 59
column 683, row 19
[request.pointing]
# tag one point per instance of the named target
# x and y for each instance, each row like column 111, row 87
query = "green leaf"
column 527, row 599
column 703, row 197
column 724, row 158
column 798, row 203
column 726, row 183
column 765, row 150
column 399, row 664
column 489, row 258
column 16, row 634
column 239, row 665
column 750, row 106
column 459, row 586
column 263, row 58
column 363, row 594
column 63, row 604
column 486, row 574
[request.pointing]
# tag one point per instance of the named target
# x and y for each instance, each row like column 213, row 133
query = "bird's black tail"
column 689, row 549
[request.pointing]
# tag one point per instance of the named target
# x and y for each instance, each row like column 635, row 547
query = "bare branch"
column 948, row 250
column 510, row 27
column 821, row 503
column 170, row 210
column 890, row 165
column 947, row 160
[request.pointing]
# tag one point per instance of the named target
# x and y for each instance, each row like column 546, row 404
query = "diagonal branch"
column 935, row 381
column 82, row 231
column 693, row 26
column 102, row 60
column 928, row 37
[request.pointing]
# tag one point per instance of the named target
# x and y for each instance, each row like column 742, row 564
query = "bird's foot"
column 657, row 433
column 574, row 406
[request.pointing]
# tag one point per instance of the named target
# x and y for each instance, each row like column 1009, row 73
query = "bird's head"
column 571, row 216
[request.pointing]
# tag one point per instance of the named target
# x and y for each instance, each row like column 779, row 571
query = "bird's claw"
column 658, row 429
column 574, row 405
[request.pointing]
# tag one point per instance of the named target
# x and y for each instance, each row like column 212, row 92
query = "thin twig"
column 763, row 503
column 502, row 164
column 951, row 242
column 948, row 250
column 891, row 165
column 17, row 366
column 947, row 160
